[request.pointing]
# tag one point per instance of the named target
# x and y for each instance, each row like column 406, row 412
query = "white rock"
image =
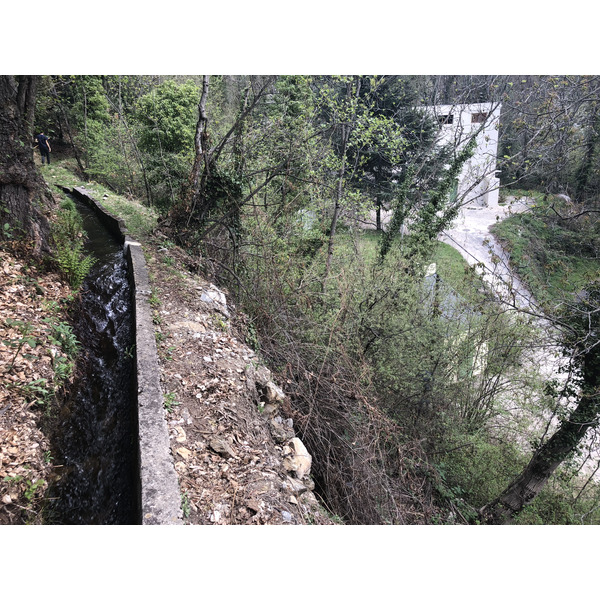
column 300, row 461
column 181, row 436
column 274, row 393
column 296, row 486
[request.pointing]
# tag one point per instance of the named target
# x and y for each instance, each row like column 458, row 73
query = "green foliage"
column 25, row 330
column 139, row 219
column 7, row 231
column 36, row 390
column 476, row 467
column 168, row 116
column 63, row 369
column 169, row 402
column 293, row 98
column 112, row 156
column 220, row 198
column 67, row 233
column 553, row 255
column 549, row 138
column 69, row 222
column 153, row 299
column 90, row 109
column 571, row 497
column 31, row 489
column 431, row 209
column 62, row 335
column 185, row 505
column 90, row 100
column 73, row 263
column 251, row 337
column 57, row 333
column 165, row 119
column 401, row 211
column 166, row 173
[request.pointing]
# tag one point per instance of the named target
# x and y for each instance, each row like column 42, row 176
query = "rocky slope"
column 235, row 450
column 237, row 455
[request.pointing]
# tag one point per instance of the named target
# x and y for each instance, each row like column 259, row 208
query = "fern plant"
column 73, row 263
column 68, row 235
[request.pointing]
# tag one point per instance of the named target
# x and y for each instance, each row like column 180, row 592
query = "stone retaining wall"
column 160, row 497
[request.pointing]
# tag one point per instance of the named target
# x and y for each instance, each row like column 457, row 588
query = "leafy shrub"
column 73, row 263
column 68, row 236
column 62, row 335
column 478, row 468
column 560, row 503
column 167, row 116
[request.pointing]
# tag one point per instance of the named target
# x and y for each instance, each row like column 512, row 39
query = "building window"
column 445, row 119
column 479, row 117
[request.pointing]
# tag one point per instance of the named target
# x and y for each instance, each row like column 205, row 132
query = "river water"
column 95, row 439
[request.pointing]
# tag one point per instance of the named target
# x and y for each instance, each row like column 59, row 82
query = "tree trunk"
column 336, row 210
column 345, row 138
column 23, row 193
column 523, row 490
column 209, row 157
column 200, row 139
column 560, row 446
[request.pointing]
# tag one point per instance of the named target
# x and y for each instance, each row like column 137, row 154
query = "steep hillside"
column 237, row 456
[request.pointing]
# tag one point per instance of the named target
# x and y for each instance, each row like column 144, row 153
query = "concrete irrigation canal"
column 113, row 438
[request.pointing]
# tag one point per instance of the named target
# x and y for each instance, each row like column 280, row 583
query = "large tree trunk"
column 567, row 437
column 24, row 196
column 523, row 490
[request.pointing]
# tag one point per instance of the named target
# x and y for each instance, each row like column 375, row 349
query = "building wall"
column 478, row 178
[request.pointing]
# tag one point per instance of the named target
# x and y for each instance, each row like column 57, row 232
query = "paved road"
column 471, row 237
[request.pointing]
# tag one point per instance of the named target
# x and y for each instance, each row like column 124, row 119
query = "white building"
column 478, row 181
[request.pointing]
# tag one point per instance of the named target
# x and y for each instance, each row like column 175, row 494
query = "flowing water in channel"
column 95, row 434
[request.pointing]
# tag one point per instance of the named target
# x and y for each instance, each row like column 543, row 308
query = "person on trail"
column 43, row 142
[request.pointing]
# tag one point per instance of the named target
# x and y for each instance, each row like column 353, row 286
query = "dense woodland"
column 264, row 181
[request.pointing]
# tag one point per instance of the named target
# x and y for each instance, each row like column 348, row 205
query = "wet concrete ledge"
column 160, row 498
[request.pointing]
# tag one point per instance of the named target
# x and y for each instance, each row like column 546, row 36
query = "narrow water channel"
column 95, row 437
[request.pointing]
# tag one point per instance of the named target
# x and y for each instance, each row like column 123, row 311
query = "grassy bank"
column 139, row 218
column 554, row 255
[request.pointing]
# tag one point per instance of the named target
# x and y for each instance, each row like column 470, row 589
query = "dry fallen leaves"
column 27, row 297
